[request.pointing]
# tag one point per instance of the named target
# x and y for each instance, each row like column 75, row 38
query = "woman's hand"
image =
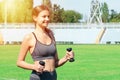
column 69, row 55
column 38, row 67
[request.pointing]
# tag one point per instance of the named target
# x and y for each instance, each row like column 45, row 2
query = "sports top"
column 43, row 51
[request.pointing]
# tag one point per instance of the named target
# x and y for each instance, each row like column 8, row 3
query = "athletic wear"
column 43, row 76
column 42, row 51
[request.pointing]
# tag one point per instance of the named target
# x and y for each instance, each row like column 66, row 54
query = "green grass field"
column 92, row 62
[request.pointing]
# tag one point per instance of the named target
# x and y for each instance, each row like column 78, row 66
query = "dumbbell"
column 71, row 59
column 41, row 63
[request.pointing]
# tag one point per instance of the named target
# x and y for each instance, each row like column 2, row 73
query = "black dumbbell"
column 71, row 59
column 42, row 63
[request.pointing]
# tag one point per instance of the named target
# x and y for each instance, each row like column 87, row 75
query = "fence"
column 65, row 33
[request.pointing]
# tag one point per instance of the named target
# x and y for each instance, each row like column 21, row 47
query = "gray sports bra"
column 43, row 51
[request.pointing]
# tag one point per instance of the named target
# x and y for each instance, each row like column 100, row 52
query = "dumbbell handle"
column 71, row 59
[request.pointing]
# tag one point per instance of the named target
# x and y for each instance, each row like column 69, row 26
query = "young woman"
column 42, row 47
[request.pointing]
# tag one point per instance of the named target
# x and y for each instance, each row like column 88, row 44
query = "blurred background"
column 73, row 22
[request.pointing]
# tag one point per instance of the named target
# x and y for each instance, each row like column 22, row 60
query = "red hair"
column 38, row 9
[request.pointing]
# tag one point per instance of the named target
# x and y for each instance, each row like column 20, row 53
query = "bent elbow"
column 18, row 63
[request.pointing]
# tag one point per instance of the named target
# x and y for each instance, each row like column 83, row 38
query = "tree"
column 66, row 16
column 28, row 4
column 105, row 12
column 1, row 12
column 71, row 16
column 57, row 13
column 114, row 17
column 24, row 11
column 49, row 5
column 16, row 11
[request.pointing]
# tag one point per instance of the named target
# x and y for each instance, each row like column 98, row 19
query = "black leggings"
column 43, row 76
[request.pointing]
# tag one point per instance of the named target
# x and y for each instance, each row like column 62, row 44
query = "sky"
column 82, row 6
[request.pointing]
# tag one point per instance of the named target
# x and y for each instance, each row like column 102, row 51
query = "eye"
column 43, row 16
column 48, row 16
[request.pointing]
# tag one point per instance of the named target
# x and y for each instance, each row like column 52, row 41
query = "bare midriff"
column 49, row 64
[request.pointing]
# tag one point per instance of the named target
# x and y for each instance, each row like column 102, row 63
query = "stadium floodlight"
column 96, row 18
column 95, row 12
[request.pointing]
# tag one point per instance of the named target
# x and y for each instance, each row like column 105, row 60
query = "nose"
column 47, row 18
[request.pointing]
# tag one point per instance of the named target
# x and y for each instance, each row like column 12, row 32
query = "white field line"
column 6, row 79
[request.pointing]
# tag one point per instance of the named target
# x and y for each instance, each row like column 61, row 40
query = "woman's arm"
column 25, row 47
column 22, row 54
column 60, row 62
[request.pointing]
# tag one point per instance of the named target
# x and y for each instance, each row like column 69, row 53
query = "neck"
column 41, row 29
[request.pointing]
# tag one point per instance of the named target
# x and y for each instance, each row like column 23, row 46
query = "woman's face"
column 43, row 18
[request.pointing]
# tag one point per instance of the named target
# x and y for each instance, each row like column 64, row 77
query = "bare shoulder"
column 28, row 38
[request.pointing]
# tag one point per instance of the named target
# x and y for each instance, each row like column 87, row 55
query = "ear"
column 34, row 18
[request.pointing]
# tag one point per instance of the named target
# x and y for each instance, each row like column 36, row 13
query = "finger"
column 68, row 54
column 37, row 70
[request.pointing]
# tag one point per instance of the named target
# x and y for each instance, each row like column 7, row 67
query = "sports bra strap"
column 34, row 35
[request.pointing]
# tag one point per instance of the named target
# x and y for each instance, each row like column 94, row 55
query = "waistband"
column 44, row 72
